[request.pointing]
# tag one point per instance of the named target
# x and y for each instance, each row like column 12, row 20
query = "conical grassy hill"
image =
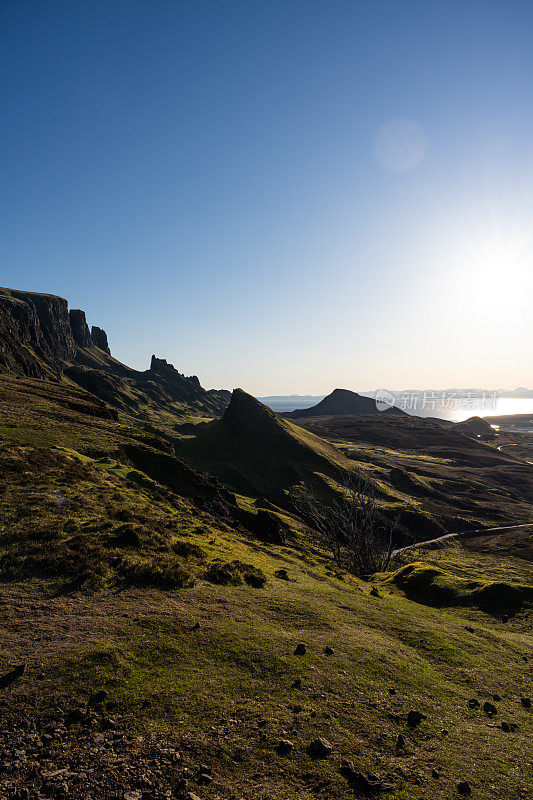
column 252, row 449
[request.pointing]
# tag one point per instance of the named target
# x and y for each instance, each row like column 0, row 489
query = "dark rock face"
column 164, row 379
column 99, row 339
column 80, row 329
column 284, row 747
column 159, row 366
column 38, row 333
column 35, row 333
column 414, row 718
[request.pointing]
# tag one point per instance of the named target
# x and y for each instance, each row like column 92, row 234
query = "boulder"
column 414, row 718
column 284, row 747
column 320, row 748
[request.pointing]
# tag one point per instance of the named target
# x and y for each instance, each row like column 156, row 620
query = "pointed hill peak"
column 254, row 450
column 246, row 414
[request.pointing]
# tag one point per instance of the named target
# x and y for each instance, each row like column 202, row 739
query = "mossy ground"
column 83, row 539
column 224, row 691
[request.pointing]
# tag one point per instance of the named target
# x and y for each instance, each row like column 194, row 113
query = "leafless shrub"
column 359, row 538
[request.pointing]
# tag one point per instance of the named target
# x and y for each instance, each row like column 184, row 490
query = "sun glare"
column 492, row 264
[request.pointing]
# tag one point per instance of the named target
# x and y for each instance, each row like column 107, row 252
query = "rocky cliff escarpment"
column 164, row 379
column 41, row 338
column 38, row 333
column 99, row 339
column 35, row 333
column 79, row 327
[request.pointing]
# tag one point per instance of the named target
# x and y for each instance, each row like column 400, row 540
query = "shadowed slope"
column 253, row 449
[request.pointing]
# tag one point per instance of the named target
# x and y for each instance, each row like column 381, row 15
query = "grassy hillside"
column 255, row 450
column 208, row 675
column 159, row 631
column 456, row 481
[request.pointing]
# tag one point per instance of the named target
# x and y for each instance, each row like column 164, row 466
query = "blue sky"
column 284, row 196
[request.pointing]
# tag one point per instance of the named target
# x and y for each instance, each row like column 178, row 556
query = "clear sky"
column 284, row 196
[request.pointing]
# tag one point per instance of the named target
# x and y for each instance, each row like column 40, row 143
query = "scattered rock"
column 414, row 718
column 496, row 698
column 435, row 774
column 282, row 574
column 506, row 727
column 374, row 592
column 361, row 783
column 97, row 698
column 297, row 683
column 11, row 676
column 464, row 788
column 320, row 748
column 526, row 702
column 284, row 747
column 469, row 629
column 328, row 650
column 400, row 742
column 489, row 709
column 392, row 691
column 473, row 703
column 76, row 715
column 301, row 650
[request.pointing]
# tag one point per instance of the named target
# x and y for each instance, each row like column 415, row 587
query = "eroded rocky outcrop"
column 35, row 333
column 79, row 327
column 39, row 335
column 99, row 339
column 41, row 338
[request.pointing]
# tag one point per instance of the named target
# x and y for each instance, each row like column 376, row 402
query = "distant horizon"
column 397, row 389
column 303, row 395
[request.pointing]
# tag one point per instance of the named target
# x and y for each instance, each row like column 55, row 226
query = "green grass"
column 430, row 584
column 211, row 687
column 105, row 571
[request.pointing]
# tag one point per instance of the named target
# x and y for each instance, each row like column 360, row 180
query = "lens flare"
column 400, row 145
